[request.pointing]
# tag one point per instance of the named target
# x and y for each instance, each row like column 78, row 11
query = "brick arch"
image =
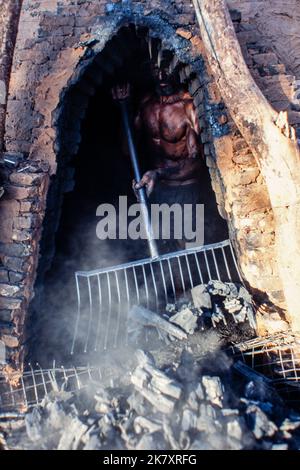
column 99, row 65
column 41, row 78
column 32, row 139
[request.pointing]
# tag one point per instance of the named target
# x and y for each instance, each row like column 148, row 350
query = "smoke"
column 114, row 415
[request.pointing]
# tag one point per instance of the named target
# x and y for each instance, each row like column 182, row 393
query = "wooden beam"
column 270, row 137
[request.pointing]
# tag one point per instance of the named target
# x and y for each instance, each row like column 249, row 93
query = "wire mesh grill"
column 105, row 296
column 278, row 358
column 35, row 384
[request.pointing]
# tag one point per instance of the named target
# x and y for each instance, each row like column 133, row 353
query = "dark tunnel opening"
column 102, row 172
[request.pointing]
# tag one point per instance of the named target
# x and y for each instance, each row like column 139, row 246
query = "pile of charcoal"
column 226, row 306
column 182, row 392
column 187, row 404
column 217, row 301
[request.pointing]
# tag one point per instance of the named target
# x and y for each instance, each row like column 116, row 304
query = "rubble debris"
column 186, row 319
column 259, row 387
column 220, row 302
column 244, row 294
column 214, row 389
column 72, row 435
column 232, row 305
column 235, row 425
column 33, row 425
column 146, row 317
column 159, row 389
column 217, row 315
column 201, row 297
column 179, row 406
column 218, row 288
column 143, row 423
column 289, row 425
column 260, row 424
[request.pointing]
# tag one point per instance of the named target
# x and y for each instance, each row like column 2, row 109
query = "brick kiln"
column 55, row 56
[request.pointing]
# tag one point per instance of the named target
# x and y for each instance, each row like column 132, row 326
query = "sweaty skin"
column 168, row 124
column 170, row 127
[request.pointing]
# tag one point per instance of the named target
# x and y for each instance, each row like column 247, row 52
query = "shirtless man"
column 167, row 122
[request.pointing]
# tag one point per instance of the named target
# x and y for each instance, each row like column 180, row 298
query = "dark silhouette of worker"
column 167, row 124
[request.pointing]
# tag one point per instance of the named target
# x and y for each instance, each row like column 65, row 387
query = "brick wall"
column 9, row 17
column 56, row 47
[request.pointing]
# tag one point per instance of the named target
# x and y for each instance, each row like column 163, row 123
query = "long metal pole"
column 137, row 175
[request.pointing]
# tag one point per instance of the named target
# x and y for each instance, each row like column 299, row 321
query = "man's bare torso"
column 170, row 129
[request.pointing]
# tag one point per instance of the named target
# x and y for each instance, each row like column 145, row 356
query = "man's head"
column 164, row 80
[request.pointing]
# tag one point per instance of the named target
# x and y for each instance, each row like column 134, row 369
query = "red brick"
column 25, row 179
column 9, row 303
column 8, row 290
column 19, row 193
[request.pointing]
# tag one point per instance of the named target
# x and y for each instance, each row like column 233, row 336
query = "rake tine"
column 89, row 372
column 189, row 271
column 199, row 269
column 128, row 301
column 52, row 379
column 119, row 309
column 154, row 284
column 181, row 274
column 215, row 263
column 65, row 374
column 78, row 313
column 34, row 384
column 43, row 379
column 164, row 281
column 24, row 391
column 226, row 263
column 100, row 312
column 172, row 279
column 91, row 314
column 207, row 265
column 109, row 312
column 77, row 378
column 235, row 263
column 146, row 285
column 136, row 285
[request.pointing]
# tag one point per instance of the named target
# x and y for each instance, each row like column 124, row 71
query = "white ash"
column 187, row 404
column 201, row 297
column 186, row 319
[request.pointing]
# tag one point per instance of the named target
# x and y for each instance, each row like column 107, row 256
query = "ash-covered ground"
column 176, row 387
column 190, row 396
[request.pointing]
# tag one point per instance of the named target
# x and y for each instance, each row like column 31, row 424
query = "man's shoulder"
column 182, row 97
column 185, row 96
column 148, row 102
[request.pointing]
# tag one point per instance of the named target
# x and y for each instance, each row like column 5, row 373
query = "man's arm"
column 184, row 170
column 194, row 143
column 192, row 116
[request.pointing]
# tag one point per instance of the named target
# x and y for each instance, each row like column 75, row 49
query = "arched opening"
column 92, row 168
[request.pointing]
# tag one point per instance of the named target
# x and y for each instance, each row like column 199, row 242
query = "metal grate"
column 35, row 384
column 278, row 358
column 105, row 296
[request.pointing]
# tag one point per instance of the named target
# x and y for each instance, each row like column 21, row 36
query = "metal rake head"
column 105, row 296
